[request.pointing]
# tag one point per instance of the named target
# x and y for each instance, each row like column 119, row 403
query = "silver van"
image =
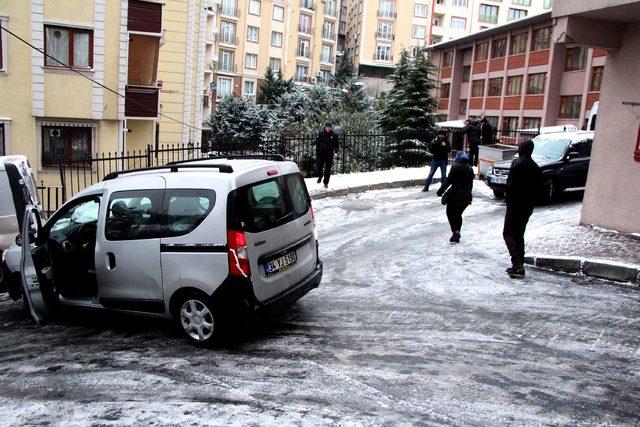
column 196, row 241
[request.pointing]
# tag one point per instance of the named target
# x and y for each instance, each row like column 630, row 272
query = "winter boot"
column 455, row 237
column 319, row 180
column 425, row 189
column 516, row 272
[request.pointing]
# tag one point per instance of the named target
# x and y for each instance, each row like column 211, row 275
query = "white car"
column 197, row 241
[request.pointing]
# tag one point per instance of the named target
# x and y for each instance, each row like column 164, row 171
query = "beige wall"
column 612, row 197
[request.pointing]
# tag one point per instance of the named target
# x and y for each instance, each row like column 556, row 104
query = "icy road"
column 405, row 329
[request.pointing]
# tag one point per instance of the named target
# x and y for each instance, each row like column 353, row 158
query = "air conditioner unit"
column 314, row 80
column 319, row 74
column 54, row 133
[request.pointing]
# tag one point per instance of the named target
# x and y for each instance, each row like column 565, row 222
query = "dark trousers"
column 474, row 153
column 324, row 163
column 515, row 224
column 455, row 208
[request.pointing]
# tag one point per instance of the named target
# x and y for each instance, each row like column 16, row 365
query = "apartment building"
column 515, row 75
column 342, row 27
column 52, row 113
column 378, row 30
column 297, row 37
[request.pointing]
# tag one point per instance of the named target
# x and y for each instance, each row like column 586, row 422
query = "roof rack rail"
column 171, row 167
column 273, row 157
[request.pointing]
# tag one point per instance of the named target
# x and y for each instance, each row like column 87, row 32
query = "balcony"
column 327, row 59
column 304, row 79
column 306, row 4
column 144, row 17
column 303, row 54
column 387, row 14
column 227, row 39
column 305, row 29
column 380, row 35
column 229, row 11
column 206, row 101
column 141, row 102
column 330, row 11
column 227, row 68
column 383, row 58
column 328, row 35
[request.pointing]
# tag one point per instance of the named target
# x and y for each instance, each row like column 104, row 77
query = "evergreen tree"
column 345, row 73
column 237, row 118
column 353, row 96
column 273, row 87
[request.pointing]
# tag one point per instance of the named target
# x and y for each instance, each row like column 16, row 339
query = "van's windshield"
column 268, row 204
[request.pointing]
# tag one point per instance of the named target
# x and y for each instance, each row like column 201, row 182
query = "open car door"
column 35, row 267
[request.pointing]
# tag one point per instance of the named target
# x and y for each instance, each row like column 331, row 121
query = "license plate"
column 500, row 180
column 280, row 264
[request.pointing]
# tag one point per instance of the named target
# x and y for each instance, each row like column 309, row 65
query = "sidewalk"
column 570, row 247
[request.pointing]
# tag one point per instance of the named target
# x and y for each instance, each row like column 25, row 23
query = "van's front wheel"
column 198, row 320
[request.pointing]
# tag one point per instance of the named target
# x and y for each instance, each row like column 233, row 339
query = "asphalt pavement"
column 406, row 328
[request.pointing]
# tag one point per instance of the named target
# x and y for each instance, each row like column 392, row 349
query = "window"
column 420, row 10
column 419, row 32
column 251, row 61
column 304, row 47
column 495, row 86
column 531, row 122
column 385, row 31
column 583, row 148
column 330, row 8
column 249, row 88
column 482, row 51
column 438, row 20
column 576, row 59
column 570, row 107
column 461, row 3
column 3, row 49
column 302, row 72
column 477, row 88
column 254, row 7
column 522, row 2
column 383, row 52
column 227, row 32
column 226, row 61
column 462, row 110
column 326, row 55
column 304, row 24
column 134, row 215
column 306, row 4
column 518, row 44
column 466, row 73
column 274, row 64
column 499, row 48
column 535, row 85
column 387, row 9
column 596, row 79
column 325, row 75
column 541, row 39
column 3, row 149
column 297, row 190
column 493, row 121
column 548, row 4
column 276, row 39
column 514, row 85
column 448, row 59
column 278, row 13
column 71, row 46
column 509, row 124
column 185, row 210
column 253, row 33
column 64, row 143
column 230, row 7
column 458, row 23
column 488, row 13
column 516, row 14
column 328, row 31
column 445, row 89
column 225, row 87
column 73, row 217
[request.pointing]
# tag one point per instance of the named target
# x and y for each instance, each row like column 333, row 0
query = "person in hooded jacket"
column 521, row 193
column 458, row 187
column 472, row 130
column 326, row 152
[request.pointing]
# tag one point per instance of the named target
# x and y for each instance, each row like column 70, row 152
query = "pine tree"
column 273, row 87
column 345, row 72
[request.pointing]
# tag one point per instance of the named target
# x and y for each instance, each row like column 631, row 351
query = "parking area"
column 405, row 328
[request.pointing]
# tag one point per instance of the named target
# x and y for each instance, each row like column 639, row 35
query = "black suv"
column 564, row 160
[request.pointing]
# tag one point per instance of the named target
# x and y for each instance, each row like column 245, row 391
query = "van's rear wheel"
column 198, row 319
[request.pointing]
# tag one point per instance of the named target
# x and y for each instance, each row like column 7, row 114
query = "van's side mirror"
column 19, row 240
column 573, row 155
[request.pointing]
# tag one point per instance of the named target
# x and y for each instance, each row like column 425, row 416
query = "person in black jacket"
column 472, row 130
column 486, row 132
column 521, row 193
column 459, row 195
column 439, row 148
column 326, row 152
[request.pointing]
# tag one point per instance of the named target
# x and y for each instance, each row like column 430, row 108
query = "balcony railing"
column 306, row 4
column 230, row 11
column 305, row 29
column 383, row 58
column 303, row 53
column 141, row 101
column 303, row 78
column 231, row 40
column 227, row 68
column 328, row 35
column 386, row 14
column 327, row 59
column 385, row 36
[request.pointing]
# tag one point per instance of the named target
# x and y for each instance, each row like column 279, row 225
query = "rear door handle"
column 111, row 261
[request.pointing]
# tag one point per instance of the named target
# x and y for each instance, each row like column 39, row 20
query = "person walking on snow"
column 458, row 188
column 440, row 149
column 326, row 152
column 521, row 193
column 472, row 130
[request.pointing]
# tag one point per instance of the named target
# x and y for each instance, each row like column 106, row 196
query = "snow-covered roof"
column 457, row 124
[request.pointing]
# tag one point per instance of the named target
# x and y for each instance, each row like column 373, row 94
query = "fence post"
column 343, row 155
column 149, row 148
column 63, row 184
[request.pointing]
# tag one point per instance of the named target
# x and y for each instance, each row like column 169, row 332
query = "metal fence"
column 357, row 153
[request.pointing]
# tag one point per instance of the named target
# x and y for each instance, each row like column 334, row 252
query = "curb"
column 601, row 269
column 377, row 186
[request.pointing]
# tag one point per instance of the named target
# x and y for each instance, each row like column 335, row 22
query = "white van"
column 196, row 241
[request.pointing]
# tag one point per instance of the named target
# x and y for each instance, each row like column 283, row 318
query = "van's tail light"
column 238, row 257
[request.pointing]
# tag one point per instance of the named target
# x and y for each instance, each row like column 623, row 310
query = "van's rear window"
column 268, row 204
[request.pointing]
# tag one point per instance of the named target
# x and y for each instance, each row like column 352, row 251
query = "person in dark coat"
column 460, row 186
column 326, row 152
column 521, row 193
column 486, row 132
column 472, row 130
column 440, row 149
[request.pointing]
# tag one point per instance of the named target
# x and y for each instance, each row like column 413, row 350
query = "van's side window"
column 298, row 193
column 185, row 210
column 78, row 215
column 134, row 215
